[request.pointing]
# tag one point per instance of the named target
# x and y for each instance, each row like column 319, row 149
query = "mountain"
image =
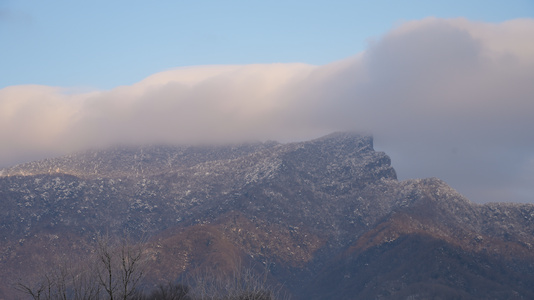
column 327, row 218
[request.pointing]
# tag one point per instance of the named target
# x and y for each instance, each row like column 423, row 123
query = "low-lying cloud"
column 447, row 98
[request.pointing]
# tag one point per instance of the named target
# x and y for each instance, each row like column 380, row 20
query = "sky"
column 445, row 87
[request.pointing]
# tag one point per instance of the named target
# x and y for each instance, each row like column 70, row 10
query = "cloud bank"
column 447, row 98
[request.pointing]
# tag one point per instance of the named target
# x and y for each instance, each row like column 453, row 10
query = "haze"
column 444, row 97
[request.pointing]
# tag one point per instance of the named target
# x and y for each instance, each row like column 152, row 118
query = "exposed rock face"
column 328, row 216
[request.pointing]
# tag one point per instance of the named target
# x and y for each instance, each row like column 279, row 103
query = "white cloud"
column 446, row 98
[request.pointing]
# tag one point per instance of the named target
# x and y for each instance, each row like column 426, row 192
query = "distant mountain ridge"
column 329, row 215
column 126, row 161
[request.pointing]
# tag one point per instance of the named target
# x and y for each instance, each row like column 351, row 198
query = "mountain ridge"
column 309, row 208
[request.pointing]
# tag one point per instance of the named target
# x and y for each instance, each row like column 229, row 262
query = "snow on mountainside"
column 314, row 209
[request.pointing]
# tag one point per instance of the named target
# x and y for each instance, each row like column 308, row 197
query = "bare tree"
column 38, row 291
column 83, row 282
column 239, row 284
column 113, row 271
column 121, row 267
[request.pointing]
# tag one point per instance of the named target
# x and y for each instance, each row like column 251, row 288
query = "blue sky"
column 103, row 44
column 445, row 87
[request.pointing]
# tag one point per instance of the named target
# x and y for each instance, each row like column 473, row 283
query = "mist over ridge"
column 449, row 98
